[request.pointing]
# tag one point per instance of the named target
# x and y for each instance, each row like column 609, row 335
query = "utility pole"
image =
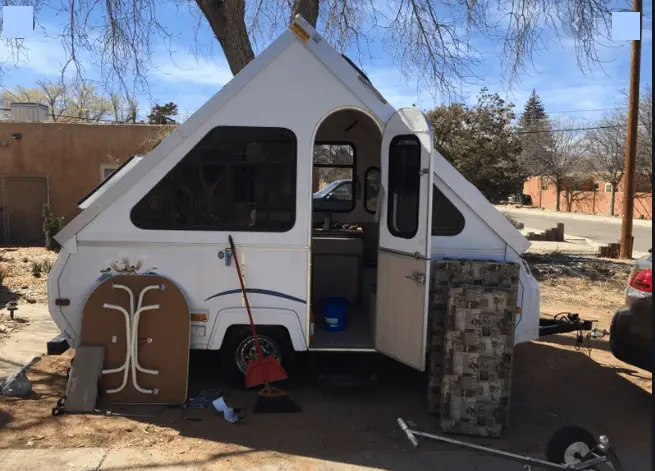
column 631, row 141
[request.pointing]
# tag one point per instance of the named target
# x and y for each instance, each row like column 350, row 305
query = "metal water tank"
column 28, row 112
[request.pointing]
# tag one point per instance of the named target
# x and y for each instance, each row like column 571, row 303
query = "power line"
column 585, row 111
column 592, row 128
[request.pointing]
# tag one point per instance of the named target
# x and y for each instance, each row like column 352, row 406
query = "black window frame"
column 455, row 229
column 366, row 195
column 389, row 199
column 352, row 166
column 229, row 228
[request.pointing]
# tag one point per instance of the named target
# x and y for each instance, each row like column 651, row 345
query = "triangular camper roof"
column 348, row 74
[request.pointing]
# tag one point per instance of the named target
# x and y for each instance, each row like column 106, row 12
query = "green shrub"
column 37, row 268
column 51, row 226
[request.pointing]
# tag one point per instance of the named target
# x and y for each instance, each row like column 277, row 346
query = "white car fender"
column 262, row 316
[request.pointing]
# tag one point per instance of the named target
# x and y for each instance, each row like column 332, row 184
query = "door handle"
column 227, row 256
column 417, row 277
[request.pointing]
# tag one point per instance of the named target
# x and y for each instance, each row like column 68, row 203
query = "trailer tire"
column 568, row 444
column 271, row 338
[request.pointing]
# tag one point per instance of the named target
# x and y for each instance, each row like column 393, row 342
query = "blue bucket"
column 334, row 314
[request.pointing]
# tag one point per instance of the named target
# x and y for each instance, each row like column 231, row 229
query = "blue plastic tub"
column 334, row 314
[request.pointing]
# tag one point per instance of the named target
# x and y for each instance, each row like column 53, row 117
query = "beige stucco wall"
column 71, row 156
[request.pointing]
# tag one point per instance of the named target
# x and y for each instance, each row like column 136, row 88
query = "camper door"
column 405, row 227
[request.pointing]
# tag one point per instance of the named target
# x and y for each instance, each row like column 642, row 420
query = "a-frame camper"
column 352, row 231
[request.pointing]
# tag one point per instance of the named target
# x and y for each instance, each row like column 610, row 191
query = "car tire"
column 239, row 342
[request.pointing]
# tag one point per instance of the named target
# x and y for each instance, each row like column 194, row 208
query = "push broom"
column 264, row 370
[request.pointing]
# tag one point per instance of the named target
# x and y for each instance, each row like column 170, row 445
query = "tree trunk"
column 558, row 193
column 612, row 199
column 227, row 20
column 308, row 9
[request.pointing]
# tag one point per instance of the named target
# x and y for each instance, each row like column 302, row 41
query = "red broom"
column 263, row 370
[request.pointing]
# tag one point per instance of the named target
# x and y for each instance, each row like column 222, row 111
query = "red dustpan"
column 263, row 371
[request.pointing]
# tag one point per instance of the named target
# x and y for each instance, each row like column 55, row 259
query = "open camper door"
column 404, row 214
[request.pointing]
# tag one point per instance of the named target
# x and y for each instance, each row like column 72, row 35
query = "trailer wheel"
column 239, row 348
column 569, row 445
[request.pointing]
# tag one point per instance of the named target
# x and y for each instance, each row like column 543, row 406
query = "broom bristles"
column 274, row 401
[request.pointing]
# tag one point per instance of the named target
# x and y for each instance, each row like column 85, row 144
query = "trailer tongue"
column 571, row 448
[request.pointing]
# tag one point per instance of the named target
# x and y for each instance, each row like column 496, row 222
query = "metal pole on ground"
column 631, row 141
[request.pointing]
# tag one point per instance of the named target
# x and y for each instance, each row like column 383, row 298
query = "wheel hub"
column 247, row 351
column 575, row 452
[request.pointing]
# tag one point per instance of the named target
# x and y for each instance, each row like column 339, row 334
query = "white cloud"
column 184, row 68
column 43, row 56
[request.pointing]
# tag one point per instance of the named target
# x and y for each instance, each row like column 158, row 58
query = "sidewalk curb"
column 590, row 242
column 578, row 216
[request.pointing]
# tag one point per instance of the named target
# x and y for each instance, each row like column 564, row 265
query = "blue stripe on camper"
column 266, row 292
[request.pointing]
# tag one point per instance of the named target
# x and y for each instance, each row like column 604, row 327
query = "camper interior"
column 346, row 180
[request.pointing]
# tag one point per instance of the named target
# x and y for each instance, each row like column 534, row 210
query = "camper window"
column 235, row 178
column 371, row 189
column 334, row 172
column 404, row 186
column 446, row 218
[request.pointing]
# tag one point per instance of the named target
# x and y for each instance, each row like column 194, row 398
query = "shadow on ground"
column 552, row 387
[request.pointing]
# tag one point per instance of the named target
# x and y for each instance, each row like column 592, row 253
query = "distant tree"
column 605, row 147
column 124, row 108
column 564, row 158
column 535, row 129
column 162, row 114
column 481, row 143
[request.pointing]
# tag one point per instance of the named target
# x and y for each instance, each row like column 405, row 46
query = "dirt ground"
column 23, row 279
column 554, row 384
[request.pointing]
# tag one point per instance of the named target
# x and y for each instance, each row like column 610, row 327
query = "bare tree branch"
column 431, row 41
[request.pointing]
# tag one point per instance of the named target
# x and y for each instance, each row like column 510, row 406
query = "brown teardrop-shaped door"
column 159, row 356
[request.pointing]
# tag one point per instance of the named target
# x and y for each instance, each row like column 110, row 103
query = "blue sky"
column 180, row 76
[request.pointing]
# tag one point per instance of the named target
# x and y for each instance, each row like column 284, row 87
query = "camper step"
column 58, row 345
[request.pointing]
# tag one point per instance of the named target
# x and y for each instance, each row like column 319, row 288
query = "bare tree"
column 124, row 108
column 86, row 103
column 645, row 134
column 606, row 150
column 564, row 158
column 55, row 96
column 430, row 40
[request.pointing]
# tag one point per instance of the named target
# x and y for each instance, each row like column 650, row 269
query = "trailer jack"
column 570, row 448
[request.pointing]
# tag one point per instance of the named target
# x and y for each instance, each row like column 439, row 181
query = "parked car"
column 522, row 199
column 631, row 331
column 337, row 196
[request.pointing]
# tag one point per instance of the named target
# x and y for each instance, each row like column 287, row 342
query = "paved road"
column 602, row 231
